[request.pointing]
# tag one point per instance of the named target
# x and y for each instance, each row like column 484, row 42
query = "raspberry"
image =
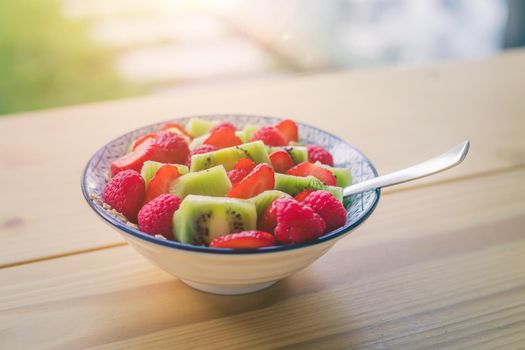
column 296, row 222
column 318, row 153
column 236, row 175
column 328, row 207
column 270, row 136
column 221, row 125
column 125, row 193
column 173, row 148
column 156, row 217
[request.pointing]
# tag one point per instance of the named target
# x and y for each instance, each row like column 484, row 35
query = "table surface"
column 440, row 264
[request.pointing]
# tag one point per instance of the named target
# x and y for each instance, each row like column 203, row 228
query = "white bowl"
column 229, row 271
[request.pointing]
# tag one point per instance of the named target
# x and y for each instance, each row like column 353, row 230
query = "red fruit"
column 245, row 164
column 125, row 193
column 244, row 240
column 328, row 207
column 223, row 137
column 270, row 136
column 236, row 175
column 183, row 131
column 301, row 196
column 281, row 161
column 223, row 124
column 318, row 153
column 289, row 130
column 143, row 138
column 161, row 182
column 203, row 149
column 260, row 179
column 156, row 217
column 295, row 221
column 306, row 169
column 173, row 148
column 147, row 150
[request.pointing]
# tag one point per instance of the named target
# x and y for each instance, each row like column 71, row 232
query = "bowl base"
column 228, row 290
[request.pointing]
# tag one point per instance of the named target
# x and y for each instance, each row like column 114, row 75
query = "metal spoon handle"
column 445, row 161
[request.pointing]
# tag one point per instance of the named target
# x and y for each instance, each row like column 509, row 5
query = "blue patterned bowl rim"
column 361, row 207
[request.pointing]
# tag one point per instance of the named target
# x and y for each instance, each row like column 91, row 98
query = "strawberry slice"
column 245, row 164
column 143, row 138
column 168, row 126
column 260, row 179
column 302, row 195
column 147, row 150
column 281, row 161
column 161, row 182
column 223, row 137
column 289, row 129
column 268, row 220
column 244, row 240
column 307, row 168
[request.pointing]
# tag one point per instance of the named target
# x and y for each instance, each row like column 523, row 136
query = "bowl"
column 229, row 271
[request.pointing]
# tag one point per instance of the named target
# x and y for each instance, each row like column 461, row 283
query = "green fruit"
column 242, row 136
column 197, row 127
column 264, row 199
column 227, row 157
column 196, row 142
column 150, row 167
column 343, row 176
column 210, row 182
column 299, row 154
column 336, row 191
column 294, row 185
column 200, row 219
column 248, row 131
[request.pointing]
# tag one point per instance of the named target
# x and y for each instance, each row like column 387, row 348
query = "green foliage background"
column 47, row 60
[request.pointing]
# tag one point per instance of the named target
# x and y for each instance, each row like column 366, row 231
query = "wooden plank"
column 441, row 266
column 396, row 116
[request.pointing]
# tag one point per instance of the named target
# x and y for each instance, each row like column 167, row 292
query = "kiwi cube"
column 227, row 157
column 299, row 154
column 209, row 182
column 264, row 199
column 343, row 176
column 150, row 167
column 295, row 184
column 197, row 127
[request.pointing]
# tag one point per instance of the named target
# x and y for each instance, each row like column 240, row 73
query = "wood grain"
column 435, row 267
column 396, row 116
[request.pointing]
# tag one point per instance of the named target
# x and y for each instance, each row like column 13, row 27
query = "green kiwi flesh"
column 343, row 176
column 200, row 219
column 150, row 167
column 296, row 184
column 248, row 131
column 197, row 127
column 264, row 199
column 209, row 182
column 227, row 157
column 299, row 154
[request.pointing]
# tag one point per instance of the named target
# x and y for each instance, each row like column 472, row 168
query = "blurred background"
column 61, row 52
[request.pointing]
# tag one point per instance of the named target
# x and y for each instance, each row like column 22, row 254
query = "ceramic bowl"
column 228, row 271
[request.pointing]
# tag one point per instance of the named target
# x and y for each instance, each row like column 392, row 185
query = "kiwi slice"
column 227, row 157
column 150, row 167
column 209, row 182
column 299, row 154
column 197, row 127
column 296, row 184
column 264, row 199
column 200, row 219
column 342, row 175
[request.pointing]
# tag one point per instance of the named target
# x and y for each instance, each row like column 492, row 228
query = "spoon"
column 444, row 161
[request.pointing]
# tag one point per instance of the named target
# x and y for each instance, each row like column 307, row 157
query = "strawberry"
column 307, row 168
column 270, row 136
column 223, row 124
column 156, row 217
column 236, row 175
column 203, row 149
column 245, row 164
column 141, row 139
column 181, row 130
column 294, row 222
column 161, row 182
column 260, row 179
column 289, row 130
column 147, row 150
column 328, row 207
column 281, row 161
column 244, row 240
column 173, row 148
column 125, row 193
column 223, row 137
column 302, row 195
column 318, row 153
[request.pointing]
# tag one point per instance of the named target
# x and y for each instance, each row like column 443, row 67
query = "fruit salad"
column 211, row 183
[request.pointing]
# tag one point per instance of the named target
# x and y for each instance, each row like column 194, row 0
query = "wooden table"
column 440, row 264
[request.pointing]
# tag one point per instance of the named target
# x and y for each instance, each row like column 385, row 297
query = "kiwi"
column 299, row 154
column 196, row 142
column 264, row 199
column 296, row 184
column 197, row 127
column 227, row 157
column 342, row 175
column 209, row 182
column 150, row 167
column 248, row 131
column 200, row 219
column 242, row 136
column 336, row 191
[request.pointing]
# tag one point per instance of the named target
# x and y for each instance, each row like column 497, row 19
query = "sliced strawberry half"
column 307, row 168
column 183, row 131
column 141, row 140
column 161, row 182
column 223, row 137
column 260, row 179
column 147, row 150
column 244, row 240
column 268, row 221
column 245, row 164
column 289, row 130
column 302, row 195
column 281, row 161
